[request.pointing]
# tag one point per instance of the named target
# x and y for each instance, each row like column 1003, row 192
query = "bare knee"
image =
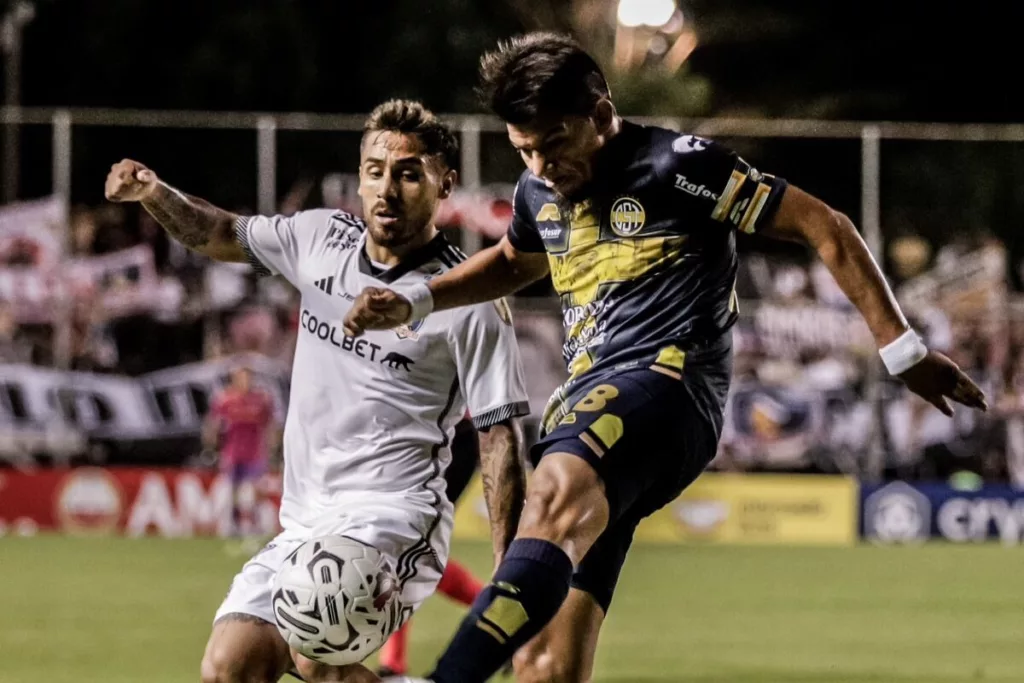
column 243, row 649
column 315, row 672
column 540, row 665
column 221, row 666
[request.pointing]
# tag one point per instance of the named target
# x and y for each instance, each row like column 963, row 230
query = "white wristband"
column 421, row 300
column 903, row 353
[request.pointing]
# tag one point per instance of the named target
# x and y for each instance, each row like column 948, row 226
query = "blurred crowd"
column 152, row 304
column 808, row 392
column 120, row 298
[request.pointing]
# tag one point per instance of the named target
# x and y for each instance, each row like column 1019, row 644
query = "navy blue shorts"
column 649, row 434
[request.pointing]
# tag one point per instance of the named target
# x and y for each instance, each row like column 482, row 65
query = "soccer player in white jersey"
column 369, row 420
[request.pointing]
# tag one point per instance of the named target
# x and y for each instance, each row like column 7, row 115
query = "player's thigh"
column 315, row 672
column 245, row 645
column 645, row 433
column 244, row 649
column 564, row 651
column 565, row 503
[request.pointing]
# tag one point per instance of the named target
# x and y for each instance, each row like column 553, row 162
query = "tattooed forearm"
column 503, row 475
column 195, row 223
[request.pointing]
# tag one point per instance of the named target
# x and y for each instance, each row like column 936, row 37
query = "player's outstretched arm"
column 500, row 270
column 194, row 222
column 503, row 474
column 487, row 275
column 931, row 375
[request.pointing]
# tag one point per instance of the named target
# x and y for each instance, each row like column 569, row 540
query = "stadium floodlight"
column 653, row 13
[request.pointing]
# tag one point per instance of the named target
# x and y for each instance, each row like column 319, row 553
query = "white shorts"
column 415, row 539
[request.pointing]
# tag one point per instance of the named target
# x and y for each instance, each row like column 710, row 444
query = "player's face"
column 401, row 187
column 560, row 153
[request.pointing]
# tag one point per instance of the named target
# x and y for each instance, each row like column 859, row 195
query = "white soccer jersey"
column 372, row 417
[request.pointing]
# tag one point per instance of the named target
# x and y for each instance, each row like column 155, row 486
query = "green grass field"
column 127, row 611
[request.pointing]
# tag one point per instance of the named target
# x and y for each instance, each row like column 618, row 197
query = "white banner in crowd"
column 38, row 403
column 783, row 329
column 31, row 247
column 121, row 283
column 32, row 233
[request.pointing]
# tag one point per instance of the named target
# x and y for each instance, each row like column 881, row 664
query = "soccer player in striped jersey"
column 370, row 420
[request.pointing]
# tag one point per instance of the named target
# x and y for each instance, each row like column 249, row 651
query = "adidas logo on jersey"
column 325, row 284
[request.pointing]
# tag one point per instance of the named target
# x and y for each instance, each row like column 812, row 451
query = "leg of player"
column 244, row 649
column 566, row 511
column 392, row 655
column 457, row 583
column 564, row 651
column 315, row 672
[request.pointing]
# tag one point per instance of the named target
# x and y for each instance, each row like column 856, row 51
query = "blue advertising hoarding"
column 900, row 512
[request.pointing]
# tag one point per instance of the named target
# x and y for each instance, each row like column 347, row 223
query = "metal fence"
column 479, row 135
column 948, row 183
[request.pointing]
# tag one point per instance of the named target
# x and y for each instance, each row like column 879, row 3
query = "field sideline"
column 125, row 611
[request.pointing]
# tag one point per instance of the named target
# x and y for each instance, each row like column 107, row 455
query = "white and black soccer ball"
column 336, row 600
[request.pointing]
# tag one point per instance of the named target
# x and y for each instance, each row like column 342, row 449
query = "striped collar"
column 438, row 248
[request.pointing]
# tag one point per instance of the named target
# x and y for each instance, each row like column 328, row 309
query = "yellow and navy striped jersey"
column 646, row 259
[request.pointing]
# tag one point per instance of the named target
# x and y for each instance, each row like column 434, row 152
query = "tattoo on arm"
column 503, row 474
column 195, row 223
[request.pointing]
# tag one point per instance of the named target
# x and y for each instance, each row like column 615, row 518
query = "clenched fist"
column 376, row 309
column 130, row 181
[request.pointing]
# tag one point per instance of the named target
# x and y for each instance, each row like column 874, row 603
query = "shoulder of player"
column 487, row 316
column 448, row 256
column 671, row 151
column 530, row 195
column 327, row 221
column 689, row 167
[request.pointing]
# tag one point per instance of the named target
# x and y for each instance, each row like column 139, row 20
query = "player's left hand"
column 376, row 309
column 938, row 380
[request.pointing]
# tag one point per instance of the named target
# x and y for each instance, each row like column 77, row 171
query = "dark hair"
column 538, row 75
column 410, row 117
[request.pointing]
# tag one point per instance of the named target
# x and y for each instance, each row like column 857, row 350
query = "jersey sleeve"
column 276, row 245
column 709, row 180
column 489, row 366
column 522, row 231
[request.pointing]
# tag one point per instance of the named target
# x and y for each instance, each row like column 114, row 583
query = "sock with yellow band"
column 526, row 592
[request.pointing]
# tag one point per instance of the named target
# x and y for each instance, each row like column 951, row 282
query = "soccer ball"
column 336, row 600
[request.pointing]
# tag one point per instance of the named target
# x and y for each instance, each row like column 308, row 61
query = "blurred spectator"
column 14, row 346
column 241, row 428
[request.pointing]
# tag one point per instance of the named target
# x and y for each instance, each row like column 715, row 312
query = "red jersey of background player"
column 243, row 416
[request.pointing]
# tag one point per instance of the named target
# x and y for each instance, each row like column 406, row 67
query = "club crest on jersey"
column 627, row 217
column 410, row 331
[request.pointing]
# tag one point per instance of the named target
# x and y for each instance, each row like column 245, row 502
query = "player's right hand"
column 939, row 380
column 130, row 181
column 376, row 309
